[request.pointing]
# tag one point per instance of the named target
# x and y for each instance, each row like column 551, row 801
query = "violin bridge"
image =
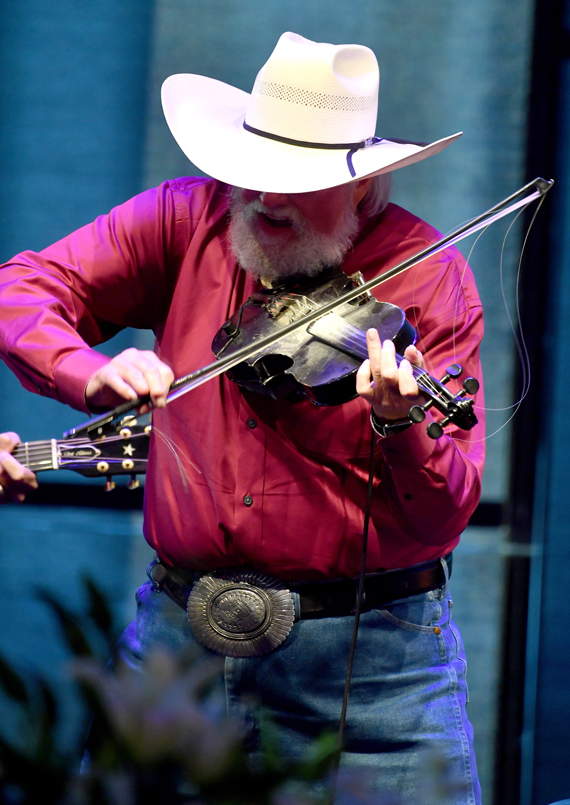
column 290, row 307
column 358, row 279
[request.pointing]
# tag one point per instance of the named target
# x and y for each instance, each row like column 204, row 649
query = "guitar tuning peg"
column 110, row 485
column 133, row 483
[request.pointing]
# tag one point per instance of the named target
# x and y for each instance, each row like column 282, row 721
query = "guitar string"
column 45, row 445
column 32, row 454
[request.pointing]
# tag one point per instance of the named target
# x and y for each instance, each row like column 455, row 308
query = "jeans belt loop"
column 156, row 569
column 445, row 567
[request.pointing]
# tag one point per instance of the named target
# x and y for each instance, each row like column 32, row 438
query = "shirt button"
column 248, row 500
column 251, row 423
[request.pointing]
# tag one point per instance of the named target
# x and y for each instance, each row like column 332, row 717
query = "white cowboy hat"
column 308, row 124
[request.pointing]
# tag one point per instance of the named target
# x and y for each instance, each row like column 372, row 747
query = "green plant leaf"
column 72, row 632
column 12, row 683
column 47, row 714
column 99, row 611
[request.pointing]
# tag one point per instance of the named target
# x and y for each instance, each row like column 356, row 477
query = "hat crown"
column 316, row 92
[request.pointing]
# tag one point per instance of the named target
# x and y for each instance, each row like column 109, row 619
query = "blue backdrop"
column 82, row 130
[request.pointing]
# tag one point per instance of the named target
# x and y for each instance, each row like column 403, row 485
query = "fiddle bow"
column 530, row 192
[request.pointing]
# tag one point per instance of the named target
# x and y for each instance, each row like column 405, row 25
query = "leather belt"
column 324, row 599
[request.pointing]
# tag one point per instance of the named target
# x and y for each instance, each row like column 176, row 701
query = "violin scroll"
column 457, row 409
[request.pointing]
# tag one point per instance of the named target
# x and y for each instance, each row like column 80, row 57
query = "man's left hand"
column 15, row 479
column 389, row 388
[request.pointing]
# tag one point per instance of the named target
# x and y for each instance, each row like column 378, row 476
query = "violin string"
column 520, row 343
column 521, row 346
column 460, row 286
column 519, row 340
column 526, row 361
column 459, row 289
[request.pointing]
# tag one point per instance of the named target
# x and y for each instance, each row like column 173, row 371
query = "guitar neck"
column 38, row 456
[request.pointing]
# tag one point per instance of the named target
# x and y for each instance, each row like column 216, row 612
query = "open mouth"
column 276, row 223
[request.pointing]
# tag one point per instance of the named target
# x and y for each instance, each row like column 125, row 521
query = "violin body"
column 302, row 362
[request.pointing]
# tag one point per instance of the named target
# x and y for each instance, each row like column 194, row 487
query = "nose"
column 274, row 199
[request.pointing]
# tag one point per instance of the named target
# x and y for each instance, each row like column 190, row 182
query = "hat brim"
column 206, row 119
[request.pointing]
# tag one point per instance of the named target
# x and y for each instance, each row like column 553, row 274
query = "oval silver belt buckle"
column 240, row 613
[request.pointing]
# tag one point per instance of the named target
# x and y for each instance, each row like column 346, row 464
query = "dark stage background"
column 81, row 130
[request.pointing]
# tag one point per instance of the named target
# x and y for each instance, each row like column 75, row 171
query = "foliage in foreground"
column 158, row 737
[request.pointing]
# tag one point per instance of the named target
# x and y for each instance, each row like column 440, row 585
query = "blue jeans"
column 408, row 691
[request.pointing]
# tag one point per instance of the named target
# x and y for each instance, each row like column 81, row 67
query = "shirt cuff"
column 410, row 447
column 72, row 374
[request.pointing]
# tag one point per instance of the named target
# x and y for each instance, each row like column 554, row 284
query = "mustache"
column 250, row 209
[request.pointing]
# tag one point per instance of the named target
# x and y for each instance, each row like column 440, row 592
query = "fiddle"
column 320, row 361
column 457, row 409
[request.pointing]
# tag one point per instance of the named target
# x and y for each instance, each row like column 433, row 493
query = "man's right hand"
column 15, row 479
column 131, row 374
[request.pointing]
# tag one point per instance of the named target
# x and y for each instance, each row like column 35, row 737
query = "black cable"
column 357, row 610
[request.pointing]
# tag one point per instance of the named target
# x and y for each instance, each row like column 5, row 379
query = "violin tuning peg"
column 110, row 485
column 133, row 483
column 434, row 430
column 417, row 413
column 471, row 385
column 455, row 370
column 452, row 371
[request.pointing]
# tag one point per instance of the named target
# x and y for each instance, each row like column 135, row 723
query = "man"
column 275, row 489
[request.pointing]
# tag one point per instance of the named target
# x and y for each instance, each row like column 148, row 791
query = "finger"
column 11, row 471
column 129, row 375
column 408, row 386
column 374, row 347
column 145, row 373
column 8, row 441
column 156, row 376
column 16, row 481
column 388, row 366
column 124, row 380
column 413, row 355
column 382, row 359
column 12, row 495
column 364, row 383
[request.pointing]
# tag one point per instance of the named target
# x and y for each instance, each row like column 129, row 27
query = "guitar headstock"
column 119, row 448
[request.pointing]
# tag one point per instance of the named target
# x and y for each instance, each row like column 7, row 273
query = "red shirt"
column 235, row 477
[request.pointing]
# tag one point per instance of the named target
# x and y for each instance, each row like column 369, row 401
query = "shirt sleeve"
column 432, row 486
column 116, row 272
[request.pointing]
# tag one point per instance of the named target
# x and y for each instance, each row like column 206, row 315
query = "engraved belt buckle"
column 240, row 613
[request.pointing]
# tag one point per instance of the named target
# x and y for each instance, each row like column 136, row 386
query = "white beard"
column 263, row 256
